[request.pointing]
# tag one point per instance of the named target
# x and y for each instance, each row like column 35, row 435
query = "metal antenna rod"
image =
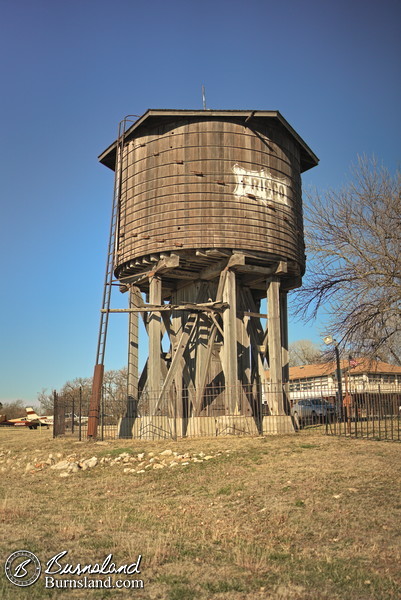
column 204, row 97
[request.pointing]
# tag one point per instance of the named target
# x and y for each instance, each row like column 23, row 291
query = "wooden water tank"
column 194, row 180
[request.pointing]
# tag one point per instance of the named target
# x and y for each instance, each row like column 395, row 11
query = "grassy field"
column 295, row 517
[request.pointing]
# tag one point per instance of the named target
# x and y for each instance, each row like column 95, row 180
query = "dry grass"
column 303, row 517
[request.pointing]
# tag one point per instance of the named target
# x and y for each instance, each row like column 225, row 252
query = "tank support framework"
column 217, row 351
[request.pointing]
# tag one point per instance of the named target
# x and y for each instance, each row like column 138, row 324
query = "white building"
column 320, row 380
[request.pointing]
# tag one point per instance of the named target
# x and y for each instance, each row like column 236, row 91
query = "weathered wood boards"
column 209, row 222
column 204, row 180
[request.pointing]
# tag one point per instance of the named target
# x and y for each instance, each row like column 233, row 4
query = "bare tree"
column 353, row 240
column 115, row 392
column 14, row 410
column 46, row 401
column 304, row 352
column 77, row 390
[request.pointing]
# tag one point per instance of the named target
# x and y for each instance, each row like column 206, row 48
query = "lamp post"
column 329, row 340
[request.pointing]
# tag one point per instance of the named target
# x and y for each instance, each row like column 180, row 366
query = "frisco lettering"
column 260, row 184
column 107, row 567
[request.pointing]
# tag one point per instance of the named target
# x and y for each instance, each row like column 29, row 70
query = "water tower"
column 207, row 222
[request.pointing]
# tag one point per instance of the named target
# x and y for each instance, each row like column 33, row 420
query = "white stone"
column 166, row 453
column 63, row 464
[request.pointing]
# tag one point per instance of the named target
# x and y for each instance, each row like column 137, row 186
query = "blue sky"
column 70, row 71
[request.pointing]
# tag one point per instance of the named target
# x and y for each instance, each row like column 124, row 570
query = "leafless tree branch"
column 353, row 241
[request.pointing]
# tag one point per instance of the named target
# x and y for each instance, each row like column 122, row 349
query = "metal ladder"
column 113, row 241
column 94, row 408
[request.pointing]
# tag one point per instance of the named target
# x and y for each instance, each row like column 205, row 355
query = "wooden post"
column 244, row 358
column 284, row 351
column 275, row 348
column 177, row 326
column 133, row 345
column 94, row 406
column 127, row 422
column 230, row 362
column 154, row 365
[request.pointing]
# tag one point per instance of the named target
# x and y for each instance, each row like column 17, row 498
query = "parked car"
column 313, row 410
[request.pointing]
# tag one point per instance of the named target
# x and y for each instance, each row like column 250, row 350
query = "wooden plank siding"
column 177, row 190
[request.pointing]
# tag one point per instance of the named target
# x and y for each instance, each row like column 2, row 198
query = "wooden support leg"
column 94, row 407
column 255, row 331
column 230, row 362
column 244, row 359
column 125, row 429
column 133, row 346
column 154, row 365
column 275, row 348
column 284, row 351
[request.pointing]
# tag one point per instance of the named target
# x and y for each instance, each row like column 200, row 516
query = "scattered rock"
column 166, row 453
column 63, row 464
column 126, row 462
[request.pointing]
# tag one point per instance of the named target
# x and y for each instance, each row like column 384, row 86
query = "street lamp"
column 329, row 340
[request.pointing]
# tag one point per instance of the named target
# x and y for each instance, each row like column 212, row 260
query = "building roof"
column 154, row 116
column 364, row 365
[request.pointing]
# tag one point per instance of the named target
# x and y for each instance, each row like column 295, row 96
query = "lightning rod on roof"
column 204, row 97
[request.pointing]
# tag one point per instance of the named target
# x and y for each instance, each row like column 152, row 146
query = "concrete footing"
column 278, row 424
column 162, row 427
column 153, row 428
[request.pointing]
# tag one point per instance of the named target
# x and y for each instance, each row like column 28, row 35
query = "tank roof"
column 154, row 116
